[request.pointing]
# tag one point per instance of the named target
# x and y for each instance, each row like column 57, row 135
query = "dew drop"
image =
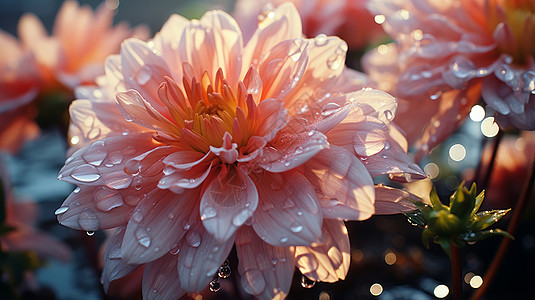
column 118, row 180
column 224, row 271
column 296, row 227
column 208, row 213
column 462, row 67
column 320, row 40
column 90, row 233
column 284, row 240
column 85, row 173
column 174, row 249
column 307, row 283
column 76, row 190
column 61, row 210
column 143, row 237
column 389, row 115
column 193, row 239
column 88, row 220
column 329, row 109
column 241, row 217
column 95, row 154
column 504, row 73
column 435, row 96
column 143, row 75
column 215, row 286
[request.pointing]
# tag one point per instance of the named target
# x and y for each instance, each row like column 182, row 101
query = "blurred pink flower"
column 80, row 42
column 195, row 142
column 40, row 65
column 449, row 54
column 21, row 216
column 348, row 19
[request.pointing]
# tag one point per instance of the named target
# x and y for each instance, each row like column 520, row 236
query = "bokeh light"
column 390, row 258
column 477, row 113
column 432, row 170
column 376, row 289
column 74, row 140
column 379, row 19
column 457, row 152
column 476, row 281
column 489, row 128
column 441, row 291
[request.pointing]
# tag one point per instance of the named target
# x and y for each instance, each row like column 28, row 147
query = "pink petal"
column 200, row 256
column 147, row 70
column 187, row 159
column 282, row 67
column 270, row 117
column 289, row 212
column 284, row 24
column 392, row 201
column 346, row 185
column 156, row 225
column 253, row 84
column 328, row 261
column 167, row 41
column 135, row 108
column 266, row 271
column 160, row 279
column 291, row 151
column 114, row 266
column 81, row 211
column 228, row 201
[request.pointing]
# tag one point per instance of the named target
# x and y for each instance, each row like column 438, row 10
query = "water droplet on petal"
column 193, row 239
column 284, row 240
column 143, row 237
column 320, row 40
column 85, row 173
column 241, row 217
column 174, row 249
column 329, row 109
column 90, row 233
column 462, row 67
column 389, row 115
column 118, row 180
column 253, row 281
column 88, row 220
column 296, row 227
column 143, row 75
column 307, row 283
column 95, row 154
column 208, row 213
column 61, row 210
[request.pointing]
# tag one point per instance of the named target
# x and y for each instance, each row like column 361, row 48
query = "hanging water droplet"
column 224, row 271
column 320, row 40
column 76, row 190
column 143, row 75
column 85, row 173
column 296, row 227
column 90, row 233
column 137, row 182
column 174, row 249
column 61, row 210
column 215, row 286
column 307, row 283
column 193, row 239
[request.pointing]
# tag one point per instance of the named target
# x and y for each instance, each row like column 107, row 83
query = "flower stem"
column 500, row 254
column 456, row 272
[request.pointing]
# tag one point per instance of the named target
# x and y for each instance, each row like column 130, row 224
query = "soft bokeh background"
column 387, row 252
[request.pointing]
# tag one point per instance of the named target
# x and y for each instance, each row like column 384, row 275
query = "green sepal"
column 462, row 202
column 487, row 218
column 415, row 217
column 481, row 235
column 479, row 201
column 435, row 201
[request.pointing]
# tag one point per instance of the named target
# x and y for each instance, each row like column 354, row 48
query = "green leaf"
column 427, row 235
column 479, row 201
column 487, row 218
column 415, row 217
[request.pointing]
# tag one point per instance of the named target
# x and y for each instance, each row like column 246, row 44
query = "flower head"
column 196, row 141
column 449, row 54
column 350, row 20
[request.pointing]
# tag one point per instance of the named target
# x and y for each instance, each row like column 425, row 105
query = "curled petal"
column 266, row 270
column 328, row 261
column 228, row 201
column 289, row 212
column 160, row 279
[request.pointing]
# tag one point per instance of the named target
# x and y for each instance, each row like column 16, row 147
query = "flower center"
column 205, row 110
column 513, row 23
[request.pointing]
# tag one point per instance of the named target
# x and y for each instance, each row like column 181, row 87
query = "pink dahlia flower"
column 350, row 20
column 449, row 54
column 196, row 141
column 80, row 42
column 18, row 87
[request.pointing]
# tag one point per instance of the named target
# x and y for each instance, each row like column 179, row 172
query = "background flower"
column 195, row 142
column 447, row 55
column 350, row 20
